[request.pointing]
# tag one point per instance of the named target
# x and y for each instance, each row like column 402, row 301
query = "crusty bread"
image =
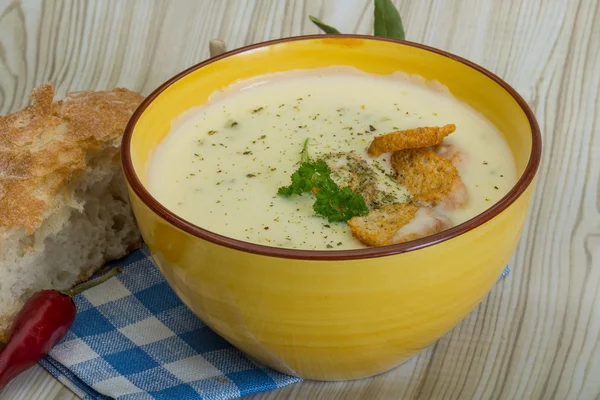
column 64, row 209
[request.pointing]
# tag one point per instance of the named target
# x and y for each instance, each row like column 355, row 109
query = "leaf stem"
column 92, row 282
column 304, row 156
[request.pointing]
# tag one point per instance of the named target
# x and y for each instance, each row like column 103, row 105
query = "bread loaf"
column 64, row 209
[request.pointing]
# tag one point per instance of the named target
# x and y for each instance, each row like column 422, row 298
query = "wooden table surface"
column 536, row 336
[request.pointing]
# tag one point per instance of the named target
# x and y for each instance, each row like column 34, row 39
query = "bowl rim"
column 354, row 254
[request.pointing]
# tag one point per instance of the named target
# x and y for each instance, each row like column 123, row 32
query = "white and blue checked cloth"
column 133, row 339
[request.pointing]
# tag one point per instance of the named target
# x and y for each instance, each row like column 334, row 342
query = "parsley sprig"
column 333, row 203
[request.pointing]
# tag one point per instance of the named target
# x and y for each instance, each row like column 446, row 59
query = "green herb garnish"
column 340, row 205
column 333, row 203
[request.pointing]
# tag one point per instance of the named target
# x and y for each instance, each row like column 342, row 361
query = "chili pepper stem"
column 92, row 282
column 104, row 269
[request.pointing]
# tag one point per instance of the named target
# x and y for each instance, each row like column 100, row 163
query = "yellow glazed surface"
column 333, row 319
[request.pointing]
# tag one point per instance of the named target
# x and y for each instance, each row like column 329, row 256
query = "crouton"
column 429, row 177
column 397, row 223
column 409, row 139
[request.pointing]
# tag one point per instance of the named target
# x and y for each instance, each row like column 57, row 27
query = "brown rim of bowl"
column 356, row 254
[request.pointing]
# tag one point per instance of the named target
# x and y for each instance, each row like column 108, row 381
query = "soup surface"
column 221, row 165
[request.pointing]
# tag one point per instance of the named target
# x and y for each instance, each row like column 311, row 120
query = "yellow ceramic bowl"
column 333, row 315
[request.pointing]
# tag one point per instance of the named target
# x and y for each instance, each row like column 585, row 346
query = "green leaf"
column 387, row 20
column 307, row 177
column 339, row 205
column 324, row 27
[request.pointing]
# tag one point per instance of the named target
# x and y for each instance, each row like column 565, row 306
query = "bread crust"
column 44, row 146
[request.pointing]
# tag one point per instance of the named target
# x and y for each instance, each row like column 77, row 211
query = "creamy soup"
column 221, row 165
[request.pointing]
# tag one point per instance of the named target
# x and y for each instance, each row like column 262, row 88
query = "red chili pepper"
column 44, row 320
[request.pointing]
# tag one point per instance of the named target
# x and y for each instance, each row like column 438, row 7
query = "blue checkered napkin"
column 134, row 339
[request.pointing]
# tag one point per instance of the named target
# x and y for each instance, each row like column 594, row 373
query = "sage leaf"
column 324, row 27
column 387, row 20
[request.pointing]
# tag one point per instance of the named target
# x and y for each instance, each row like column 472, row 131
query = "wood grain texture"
column 537, row 335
